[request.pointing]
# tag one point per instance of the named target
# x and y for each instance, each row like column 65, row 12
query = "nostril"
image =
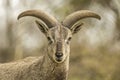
column 59, row 55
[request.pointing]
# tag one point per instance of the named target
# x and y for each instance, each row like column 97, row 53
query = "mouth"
column 59, row 60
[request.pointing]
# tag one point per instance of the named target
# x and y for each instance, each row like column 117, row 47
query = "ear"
column 75, row 28
column 42, row 27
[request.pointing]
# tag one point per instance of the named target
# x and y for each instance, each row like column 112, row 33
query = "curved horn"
column 71, row 19
column 47, row 19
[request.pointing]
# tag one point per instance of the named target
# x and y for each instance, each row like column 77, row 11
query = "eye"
column 69, row 40
column 50, row 40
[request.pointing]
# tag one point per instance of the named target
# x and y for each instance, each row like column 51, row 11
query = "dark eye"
column 50, row 40
column 69, row 40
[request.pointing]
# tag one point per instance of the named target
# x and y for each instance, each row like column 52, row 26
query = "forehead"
column 60, row 32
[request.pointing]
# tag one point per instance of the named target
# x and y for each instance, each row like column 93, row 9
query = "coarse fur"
column 54, row 64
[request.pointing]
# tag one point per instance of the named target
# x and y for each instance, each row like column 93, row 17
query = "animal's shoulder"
column 25, row 61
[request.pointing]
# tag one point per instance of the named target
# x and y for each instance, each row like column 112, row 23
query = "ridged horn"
column 47, row 19
column 71, row 19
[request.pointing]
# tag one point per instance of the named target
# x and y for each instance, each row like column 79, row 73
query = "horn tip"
column 19, row 16
column 99, row 17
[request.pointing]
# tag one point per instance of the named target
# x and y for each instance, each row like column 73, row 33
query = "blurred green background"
column 95, row 50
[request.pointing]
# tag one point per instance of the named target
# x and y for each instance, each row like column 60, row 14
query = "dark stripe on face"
column 59, row 46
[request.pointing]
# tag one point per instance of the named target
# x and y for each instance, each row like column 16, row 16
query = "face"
column 59, row 38
column 59, row 43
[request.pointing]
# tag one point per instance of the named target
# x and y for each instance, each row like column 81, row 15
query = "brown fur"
column 50, row 66
column 41, row 68
column 38, row 68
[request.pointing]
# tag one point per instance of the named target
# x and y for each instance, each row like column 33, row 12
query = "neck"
column 51, row 70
